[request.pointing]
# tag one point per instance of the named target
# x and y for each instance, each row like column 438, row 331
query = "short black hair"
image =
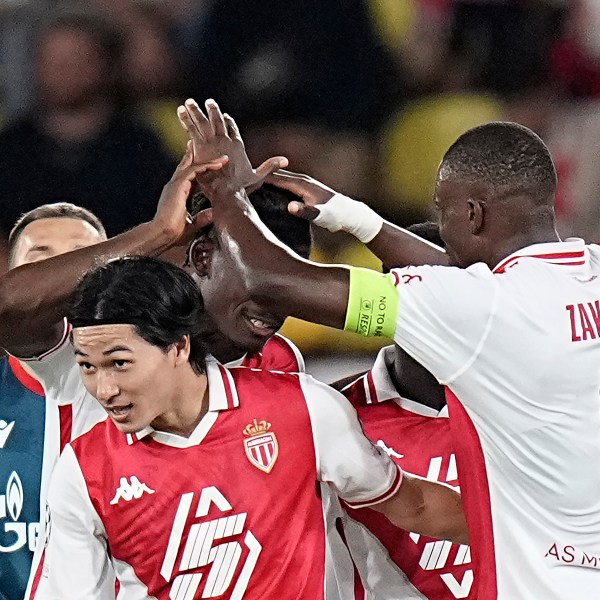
column 271, row 202
column 57, row 210
column 509, row 157
column 160, row 300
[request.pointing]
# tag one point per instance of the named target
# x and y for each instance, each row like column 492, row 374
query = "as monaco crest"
column 261, row 445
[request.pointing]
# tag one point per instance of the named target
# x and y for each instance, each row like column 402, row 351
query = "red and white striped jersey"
column 418, row 439
column 519, row 351
column 234, row 511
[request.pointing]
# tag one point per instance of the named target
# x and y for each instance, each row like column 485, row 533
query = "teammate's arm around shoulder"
column 363, row 475
column 427, row 507
column 76, row 562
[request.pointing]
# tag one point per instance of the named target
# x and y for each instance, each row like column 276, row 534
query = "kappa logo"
column 130, row 490
column 5, row 429
column 261, row 445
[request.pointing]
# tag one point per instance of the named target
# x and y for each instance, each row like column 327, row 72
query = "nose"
column 106, row 388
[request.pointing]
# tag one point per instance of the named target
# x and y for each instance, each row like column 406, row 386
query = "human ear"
column 476, row 213
column 201, row 253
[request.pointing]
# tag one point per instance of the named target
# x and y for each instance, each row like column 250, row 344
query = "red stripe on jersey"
column 30, row 382
column 475, row 496
column 38, row 576
column 501, row 268
column 382, row 497
column 65, row 413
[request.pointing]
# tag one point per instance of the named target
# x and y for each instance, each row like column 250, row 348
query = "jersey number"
column 200, row 550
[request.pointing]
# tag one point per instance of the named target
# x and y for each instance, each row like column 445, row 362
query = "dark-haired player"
column 514, row 336
column 202, row 482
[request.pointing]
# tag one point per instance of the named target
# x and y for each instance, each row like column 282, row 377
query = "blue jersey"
column 22, row 424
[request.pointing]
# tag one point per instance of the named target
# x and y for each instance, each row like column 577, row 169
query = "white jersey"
column 519, row 351
column 70, row 412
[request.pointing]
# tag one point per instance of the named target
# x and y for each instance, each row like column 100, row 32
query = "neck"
column 77, row 124
column 511, row 245
column 189, row 405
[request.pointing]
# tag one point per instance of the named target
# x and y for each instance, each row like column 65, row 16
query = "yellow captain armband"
column 372, row 303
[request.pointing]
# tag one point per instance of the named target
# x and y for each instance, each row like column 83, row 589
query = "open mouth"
column 261, row 327
column 119, row 413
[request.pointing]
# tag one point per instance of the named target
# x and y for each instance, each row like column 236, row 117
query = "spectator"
column 79, row 145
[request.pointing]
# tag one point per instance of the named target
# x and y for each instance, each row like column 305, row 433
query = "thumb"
column 299, row 209
column 271, row 165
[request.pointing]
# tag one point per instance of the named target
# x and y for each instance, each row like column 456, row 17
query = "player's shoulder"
column 278, row 354
column 101, row 439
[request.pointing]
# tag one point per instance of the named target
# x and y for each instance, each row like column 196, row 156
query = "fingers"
column 232, row 129
column 192, row 171
column 298, row 209
column 215, row 117
column 199, row 120
column 281, row 180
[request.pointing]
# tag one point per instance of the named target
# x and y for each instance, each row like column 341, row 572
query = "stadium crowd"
column 165, row 267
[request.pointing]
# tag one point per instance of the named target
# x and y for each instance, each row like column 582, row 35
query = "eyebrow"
column 38, row 248
column 106, row 352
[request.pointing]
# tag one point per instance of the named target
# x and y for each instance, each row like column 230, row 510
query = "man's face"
column 46, row 238
column 233, row 319
column 133, row 380
column 451, row 201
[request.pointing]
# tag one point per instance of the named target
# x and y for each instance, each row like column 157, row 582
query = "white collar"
column 571, row 254
column 222, row 395
column 379, row 388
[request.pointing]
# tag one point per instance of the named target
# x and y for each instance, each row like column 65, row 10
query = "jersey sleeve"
column 76, row 561
column 58, row 372
column 358, row 471
column 281, row 354
column 440, row 315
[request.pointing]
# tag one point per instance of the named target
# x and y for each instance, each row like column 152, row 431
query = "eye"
column 86, row 367
column 120, row 364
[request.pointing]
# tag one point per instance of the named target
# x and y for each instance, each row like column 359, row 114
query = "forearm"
column 273, row 275
column 428, row 508
column 34, row 297
column 397, row 247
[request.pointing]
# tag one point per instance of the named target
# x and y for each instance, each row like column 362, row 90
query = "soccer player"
column 202, row 481
column 514, row 336
column 34, row 427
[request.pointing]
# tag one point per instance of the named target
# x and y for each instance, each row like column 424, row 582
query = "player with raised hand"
column 512, row 336
column 202, row 481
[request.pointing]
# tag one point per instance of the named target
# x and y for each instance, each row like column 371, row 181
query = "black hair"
column 160, row 300
column 509, row 157
column 271, row 202
column 58, row 210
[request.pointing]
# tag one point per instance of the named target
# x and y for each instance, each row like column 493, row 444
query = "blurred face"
column 234, row 321
column 133, row 380
column 70, row 67
column 454, row 208
column 46, row 238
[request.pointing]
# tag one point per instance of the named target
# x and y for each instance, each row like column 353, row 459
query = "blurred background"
column 364, row 95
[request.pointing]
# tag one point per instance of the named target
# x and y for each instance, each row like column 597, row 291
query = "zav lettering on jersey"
column 261, row 446
column 11, row 506
column 5, row 429
column 585, row 321
column 199, row 550
column 130, row 491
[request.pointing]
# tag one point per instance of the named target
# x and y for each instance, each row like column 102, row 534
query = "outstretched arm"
column 33, row 297
column 394, row 246
column 273, row 275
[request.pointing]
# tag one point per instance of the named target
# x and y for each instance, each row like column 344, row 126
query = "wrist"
column 345, row 214
column 158, row 236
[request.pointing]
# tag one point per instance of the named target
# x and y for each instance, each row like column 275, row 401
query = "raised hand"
column 171, row 213
column 216, row 134
column 312, row 192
